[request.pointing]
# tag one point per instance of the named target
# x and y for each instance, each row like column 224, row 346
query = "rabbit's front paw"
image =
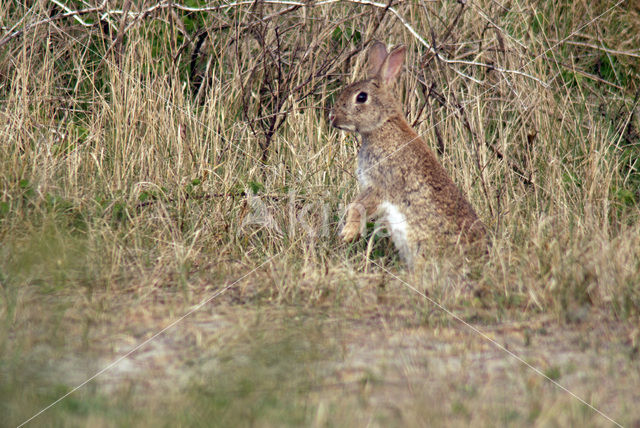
column 350, row 231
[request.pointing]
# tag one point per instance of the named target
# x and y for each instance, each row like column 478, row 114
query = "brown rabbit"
column 399, row 176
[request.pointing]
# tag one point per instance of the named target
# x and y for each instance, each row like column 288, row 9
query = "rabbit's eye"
column 361, row 98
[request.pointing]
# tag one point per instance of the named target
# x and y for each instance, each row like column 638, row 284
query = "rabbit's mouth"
column 343, row 126
column 350, row 128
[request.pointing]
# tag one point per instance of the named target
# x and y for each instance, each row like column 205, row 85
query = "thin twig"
column 434, row 51
column 70, row 13
column 69, row 10
column 386, row 6
column 496, row 26
column 600, row 48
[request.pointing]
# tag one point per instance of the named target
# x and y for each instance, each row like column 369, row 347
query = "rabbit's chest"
column 363, row 169
column 364, row 179
column 372, row 166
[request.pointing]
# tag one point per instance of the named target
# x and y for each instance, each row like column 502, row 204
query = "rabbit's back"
column 415, row 186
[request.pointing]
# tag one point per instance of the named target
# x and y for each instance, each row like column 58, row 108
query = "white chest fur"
column 397, row 224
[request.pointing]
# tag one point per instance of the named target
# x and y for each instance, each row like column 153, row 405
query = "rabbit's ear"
column 392, row 65
column 376, row 56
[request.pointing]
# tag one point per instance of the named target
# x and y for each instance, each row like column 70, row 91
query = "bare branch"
column 434, row 51
column 600, row 48
column 292, row 6
column 69, row 13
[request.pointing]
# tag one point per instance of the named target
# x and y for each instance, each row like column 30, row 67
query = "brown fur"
column 396, row 166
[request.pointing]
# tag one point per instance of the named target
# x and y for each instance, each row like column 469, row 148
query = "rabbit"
column 399, row 176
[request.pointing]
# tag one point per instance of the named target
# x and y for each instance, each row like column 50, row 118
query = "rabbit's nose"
column 331, row 116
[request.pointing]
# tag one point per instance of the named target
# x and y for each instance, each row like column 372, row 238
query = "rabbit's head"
column 366, row 105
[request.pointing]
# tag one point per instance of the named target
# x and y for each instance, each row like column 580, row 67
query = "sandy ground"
column 410, row 373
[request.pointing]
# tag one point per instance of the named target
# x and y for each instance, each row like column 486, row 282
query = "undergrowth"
column 180, row 149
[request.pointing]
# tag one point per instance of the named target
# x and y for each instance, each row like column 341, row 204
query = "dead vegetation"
column 156, row 152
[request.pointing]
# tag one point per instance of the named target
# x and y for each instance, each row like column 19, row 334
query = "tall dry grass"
column 146, row 142
column 180, row 149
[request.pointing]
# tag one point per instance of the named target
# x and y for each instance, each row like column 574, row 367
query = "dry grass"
column 151, row 161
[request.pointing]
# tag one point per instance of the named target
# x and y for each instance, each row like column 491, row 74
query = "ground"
column 394, row 360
